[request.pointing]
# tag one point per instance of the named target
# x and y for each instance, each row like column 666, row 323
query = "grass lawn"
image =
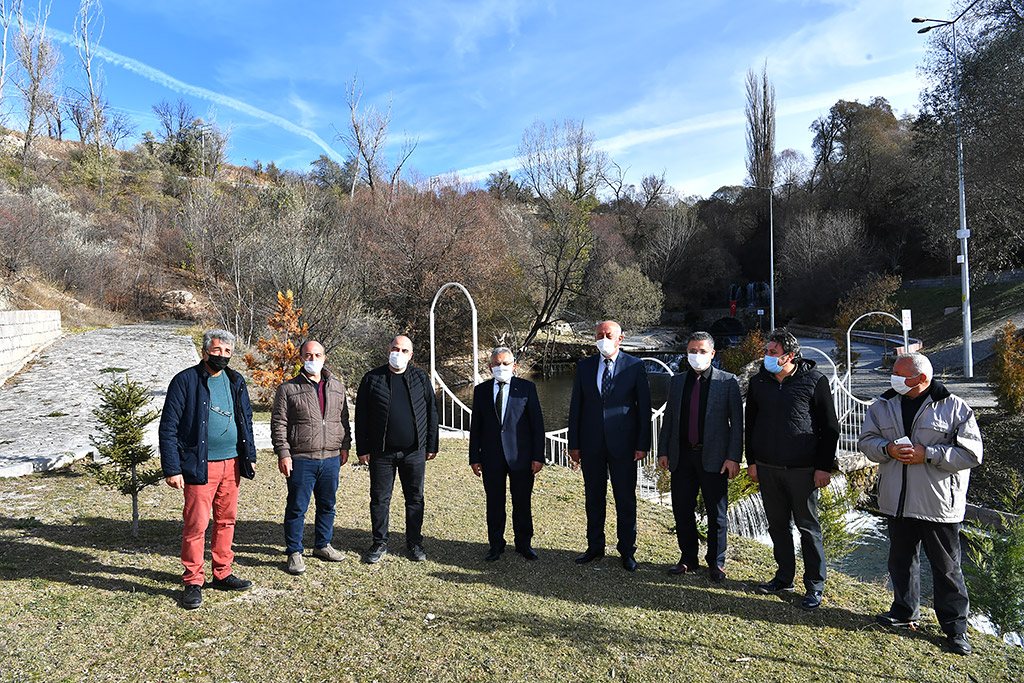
column 83, row 602
column 990, row 304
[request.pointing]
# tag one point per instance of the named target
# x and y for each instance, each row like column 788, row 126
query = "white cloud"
column 175, row 85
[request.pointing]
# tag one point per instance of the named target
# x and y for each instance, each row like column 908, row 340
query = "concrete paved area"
column 46, row 409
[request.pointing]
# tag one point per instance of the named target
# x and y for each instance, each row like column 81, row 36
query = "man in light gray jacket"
column 926, row 440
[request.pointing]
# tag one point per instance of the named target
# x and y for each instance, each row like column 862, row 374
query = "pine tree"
column 119, row 447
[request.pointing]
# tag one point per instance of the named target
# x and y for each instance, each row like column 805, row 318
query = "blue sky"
column 660, row 84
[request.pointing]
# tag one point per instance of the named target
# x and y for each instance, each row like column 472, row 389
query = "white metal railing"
column 851, row 412
column 452, row 413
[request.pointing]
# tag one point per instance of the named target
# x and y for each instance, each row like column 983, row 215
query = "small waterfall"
column 746, row 517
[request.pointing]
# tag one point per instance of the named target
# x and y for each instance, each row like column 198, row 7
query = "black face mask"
column 217, row 363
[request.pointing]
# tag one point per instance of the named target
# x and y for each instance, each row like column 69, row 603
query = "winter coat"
column 184, row 425
column 935, row 490
column 299, row 430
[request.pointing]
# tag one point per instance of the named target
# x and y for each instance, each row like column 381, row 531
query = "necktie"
column 695, row 411
column 498, row 400
column 606, row 378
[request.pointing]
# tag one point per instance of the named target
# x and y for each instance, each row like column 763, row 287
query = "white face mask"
column 899, row 385
column 699, row 361
column 502, row 373
column 398, row 360
column 313, row 367
column 606, row 347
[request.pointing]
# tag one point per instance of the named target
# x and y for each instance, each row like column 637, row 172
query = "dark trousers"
column 790, row 496
column 688, row 478
column 318, row 478
column 597, row 469
column 942, row 546
column 410, row 466
column 520, row 485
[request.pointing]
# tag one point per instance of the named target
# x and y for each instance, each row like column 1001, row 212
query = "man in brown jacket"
column 310, row 431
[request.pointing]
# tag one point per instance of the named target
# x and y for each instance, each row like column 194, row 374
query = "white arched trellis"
column 476, row 353
column 849, row 333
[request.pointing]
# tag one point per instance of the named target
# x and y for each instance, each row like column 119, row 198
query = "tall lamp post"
column 771, row 251
column 963, row 233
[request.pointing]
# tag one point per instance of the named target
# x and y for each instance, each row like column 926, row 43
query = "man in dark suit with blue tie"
column 701, row 443
column 609, row 432
column 506, row 440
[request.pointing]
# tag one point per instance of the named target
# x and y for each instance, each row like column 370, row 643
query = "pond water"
column 555, row 391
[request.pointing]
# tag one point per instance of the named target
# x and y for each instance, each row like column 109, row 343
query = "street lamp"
column 771, row 250
column 963, row 233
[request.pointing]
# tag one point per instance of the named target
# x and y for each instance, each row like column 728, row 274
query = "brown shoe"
column 716, row 574
column 681, row 568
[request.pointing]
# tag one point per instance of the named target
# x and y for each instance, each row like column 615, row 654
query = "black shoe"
column 493, row 553
column 628, row 563
column 591, row 554
column 527, row 552
column 887, row 619
column 716, row 574
column 415, row 552
column 376, row 553
column 811, row 601
column 958, row 644
column 192, row 596
column 231, row 583
column 774, row 586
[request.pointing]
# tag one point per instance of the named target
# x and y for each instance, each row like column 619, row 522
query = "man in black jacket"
column 396, row 431
column 792, row 432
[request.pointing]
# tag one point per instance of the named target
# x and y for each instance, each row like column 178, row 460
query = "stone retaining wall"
column 21, row 334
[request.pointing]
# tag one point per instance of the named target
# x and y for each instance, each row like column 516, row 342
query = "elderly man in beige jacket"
column 925, row 440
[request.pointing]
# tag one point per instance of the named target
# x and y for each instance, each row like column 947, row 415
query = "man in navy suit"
column 609, row 432
column 701, row 443
column 506, row 440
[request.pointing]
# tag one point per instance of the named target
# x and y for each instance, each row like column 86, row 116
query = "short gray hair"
column 498, row 350
column 920, row 363
column 702, row 336
column 223, row 335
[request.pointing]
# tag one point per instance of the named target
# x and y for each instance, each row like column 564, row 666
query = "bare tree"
column 119, row 126
column 9, row 11
column 562, row 167
column 366, row 139
column 88, row 31
column 39, row 61
column 760, row 129
column 670, row 241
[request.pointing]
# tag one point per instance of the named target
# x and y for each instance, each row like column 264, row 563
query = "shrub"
column 1007, row 375
column 735, row 358
column 280, row 350
column 838, row 535
column 995, row 574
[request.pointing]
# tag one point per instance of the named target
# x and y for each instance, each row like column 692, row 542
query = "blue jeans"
column 319, row 478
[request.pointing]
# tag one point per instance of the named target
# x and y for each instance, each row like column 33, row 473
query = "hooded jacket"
column 792, row 423
column 935, row 490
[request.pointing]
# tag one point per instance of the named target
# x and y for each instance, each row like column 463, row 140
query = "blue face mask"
column 772, row 365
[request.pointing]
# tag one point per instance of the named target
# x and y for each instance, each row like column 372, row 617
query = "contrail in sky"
column 171, row 83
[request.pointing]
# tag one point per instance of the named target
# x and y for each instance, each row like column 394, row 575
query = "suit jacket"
column 723, row 422
column 621, row 420
column 519, row 439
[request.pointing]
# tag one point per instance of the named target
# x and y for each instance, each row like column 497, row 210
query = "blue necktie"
column 606, row 378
